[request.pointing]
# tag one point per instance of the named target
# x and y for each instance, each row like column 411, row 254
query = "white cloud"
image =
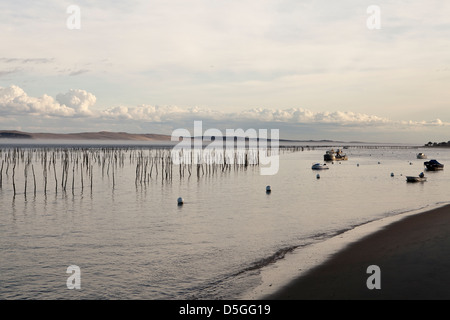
column 431, row 123
column 75, row 107
column 163, row 113
column 301, row 115
column 78, row 100
column 14, row 101
column 74, row 103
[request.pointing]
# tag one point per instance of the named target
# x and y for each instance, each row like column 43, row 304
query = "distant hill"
column 103, row 135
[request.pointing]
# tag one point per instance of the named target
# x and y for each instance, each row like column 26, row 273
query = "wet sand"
column 413, row 255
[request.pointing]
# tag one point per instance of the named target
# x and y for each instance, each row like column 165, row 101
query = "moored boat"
column 341, row 156
column 420, row 178
column 319, row 166
column 415, row 179
column 433, row 165
column 332, row 155
column 329, row 155
column 421, row 155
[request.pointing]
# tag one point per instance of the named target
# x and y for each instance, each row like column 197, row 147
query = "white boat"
column 319, row 166
column 421, row 155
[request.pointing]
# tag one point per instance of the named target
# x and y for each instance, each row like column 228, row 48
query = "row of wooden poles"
column 205, row 162
column 49, row 159
column 69, row 167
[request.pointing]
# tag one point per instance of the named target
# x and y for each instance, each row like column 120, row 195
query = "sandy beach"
column 412, row 254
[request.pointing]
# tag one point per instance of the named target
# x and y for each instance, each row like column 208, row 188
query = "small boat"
column 415, row 179
column 420, row 178
column 433, row 165
column 332, row 155
column 340, row 156
column 329, row 155
column 421, row 155
column 319, row 166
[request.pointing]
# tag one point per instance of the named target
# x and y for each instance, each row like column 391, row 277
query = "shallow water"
column 132, row 241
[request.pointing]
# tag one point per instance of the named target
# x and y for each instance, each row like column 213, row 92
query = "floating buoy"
column 180, row 201
column 268, row 190
column 392, row 174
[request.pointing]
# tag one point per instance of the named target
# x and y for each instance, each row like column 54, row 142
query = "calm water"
column 133, row 241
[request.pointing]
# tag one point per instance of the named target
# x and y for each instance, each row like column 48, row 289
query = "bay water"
column 131, row 240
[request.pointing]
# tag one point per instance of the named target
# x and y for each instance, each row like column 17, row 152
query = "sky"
column 312, row 69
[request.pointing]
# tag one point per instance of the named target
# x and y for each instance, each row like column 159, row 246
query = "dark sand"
column 413, row 255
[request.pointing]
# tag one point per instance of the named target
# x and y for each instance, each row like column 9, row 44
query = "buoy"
column 268, row 190
column 318, row 176
column 180, row 201
column 392, row 174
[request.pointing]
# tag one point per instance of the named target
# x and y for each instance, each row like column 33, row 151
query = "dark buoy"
column 318, row 176
column 180, row 201
column 392, row 174
column 268, row 190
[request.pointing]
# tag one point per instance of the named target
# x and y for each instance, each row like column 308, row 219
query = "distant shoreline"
column 14, row 135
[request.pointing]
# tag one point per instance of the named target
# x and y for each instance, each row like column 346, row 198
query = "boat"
column 319, row 166
column 332, row 155
column 329, row 155
column 420, row 178
column 421, row 155
column 340, row 156
column 415, row 179
column 433, row 165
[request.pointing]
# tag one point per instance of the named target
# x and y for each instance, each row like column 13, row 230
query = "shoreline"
column 410, row 249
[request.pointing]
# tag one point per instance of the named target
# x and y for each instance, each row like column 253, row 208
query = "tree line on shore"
column 438, row 144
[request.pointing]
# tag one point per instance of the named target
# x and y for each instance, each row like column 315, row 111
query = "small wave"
column 279, row 254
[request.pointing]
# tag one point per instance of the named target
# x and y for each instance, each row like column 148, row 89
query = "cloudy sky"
column 311, row 68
